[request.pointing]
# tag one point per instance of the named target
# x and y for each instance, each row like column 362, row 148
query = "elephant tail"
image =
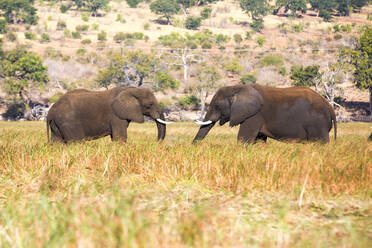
column 333, row 115
column 47, row 127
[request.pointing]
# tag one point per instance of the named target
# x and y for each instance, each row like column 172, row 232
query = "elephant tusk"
column 202, row 123
column 163, row 122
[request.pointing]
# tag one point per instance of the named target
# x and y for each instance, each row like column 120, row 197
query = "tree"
column 165, row 81
column 185, row 4
column 192, row 22
column 167, row 8
column 257, row 9
column 344, row 7
column 306, row 76
column 22, row 71
column 129, row 70
column 95, row 5
column 208, row 77
column 291, row 5
column 18, row 11
column 360, row 57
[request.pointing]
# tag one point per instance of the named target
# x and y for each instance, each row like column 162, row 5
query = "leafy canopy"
column 166, row 8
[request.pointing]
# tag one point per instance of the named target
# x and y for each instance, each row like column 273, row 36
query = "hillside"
column 73, row 60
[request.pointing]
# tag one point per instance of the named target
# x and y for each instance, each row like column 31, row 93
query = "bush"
column 206, row 45
column 63, row 8
column 205, row 13
column 260, row 41
column 30, row 36
column 61, row 25
column 10, row 36
column 102, row 36
column 76, row 35
column 165, row 81
column 271, row 60
column 84, row 17
column 52, row 53
column 346, row 28
column 86, row 41
column 192, row 22
column 81, row 51
column 247, row 79
column 238, row 38
column 3, row 26
column 133, row 3
column 67, row 33
column 326, row 15
column 257, row 25
column 45, row 37
column 95, row 26
column 221, row 39
column 146, row 26
column 297, row 28
column 337, row 37
column 282, row 71
column 82, row 28
column 233, row 66
column 188, row 101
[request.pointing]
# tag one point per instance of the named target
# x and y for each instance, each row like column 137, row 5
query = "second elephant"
column 295, row 113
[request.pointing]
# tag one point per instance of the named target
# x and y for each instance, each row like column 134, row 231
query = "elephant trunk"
column 161, row 128
column 203, row 131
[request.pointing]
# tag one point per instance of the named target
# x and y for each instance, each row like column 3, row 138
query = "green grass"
column 174, row 194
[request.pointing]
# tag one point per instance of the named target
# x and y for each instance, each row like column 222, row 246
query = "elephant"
column 83, row 114
column 295, row 113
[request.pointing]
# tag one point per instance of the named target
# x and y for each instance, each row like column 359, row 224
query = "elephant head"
column 134, row 103
column 231, row 103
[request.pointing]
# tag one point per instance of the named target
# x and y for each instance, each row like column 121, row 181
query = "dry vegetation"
column 174, row 194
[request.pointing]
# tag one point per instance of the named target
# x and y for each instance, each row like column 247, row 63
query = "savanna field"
column 218, row 193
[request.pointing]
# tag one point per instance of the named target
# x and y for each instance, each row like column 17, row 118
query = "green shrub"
column 45, row 37
column 146, row 26
column 271, row 60
column 102, row 36
column 63, row 8
column 282, row 71
column 205, row 13
column 337, row 37
column 257, row 25
column 84, row 17
column 165, row 81
column 206, row 45
column 133, row 3
column 221, row 39
column 61, row 25
column 192, row 22
column 336, row 28
column 325, row 14
column 52, row 53
column 297, row 28
column 247, row 79
column 82, row 28
column 30, row 36
column 86, row 41
column 76, row 35
column 233, row 66
column 81, row 51
column 346, row 28
column 238, row 38
column 3, row 26
column 95, row 26
column 10, row 36
column 260, row 41
column 67, row 33
column 188, row 101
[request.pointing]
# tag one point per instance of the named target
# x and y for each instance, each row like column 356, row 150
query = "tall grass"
column 171, row 194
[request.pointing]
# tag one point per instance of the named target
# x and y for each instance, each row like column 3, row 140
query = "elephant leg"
column 261, row 137
column 250, row 128
column 119, row 130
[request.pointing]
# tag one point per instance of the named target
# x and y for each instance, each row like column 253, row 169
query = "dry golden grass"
column 174, row 194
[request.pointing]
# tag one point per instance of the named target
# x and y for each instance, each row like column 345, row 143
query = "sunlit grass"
column 216, row 193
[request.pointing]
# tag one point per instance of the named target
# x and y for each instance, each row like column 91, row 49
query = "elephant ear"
column 127, row 107
column 245, row 103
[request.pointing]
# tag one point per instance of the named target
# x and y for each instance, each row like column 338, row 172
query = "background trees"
column 360, row 57
column 22, row 72
column 18, row 11
column 166, row 8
